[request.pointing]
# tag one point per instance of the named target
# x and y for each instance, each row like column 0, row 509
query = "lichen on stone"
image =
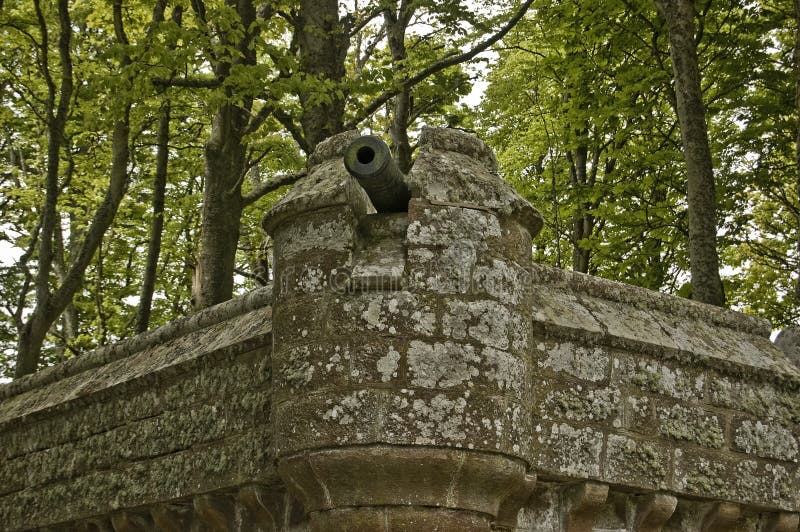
column 767, row 440
column 691, row 424
column 587, row 363
column 583, row 404
column 442, row 364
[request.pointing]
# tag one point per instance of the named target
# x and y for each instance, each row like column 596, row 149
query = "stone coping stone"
column 600, row 311
column 253, row 300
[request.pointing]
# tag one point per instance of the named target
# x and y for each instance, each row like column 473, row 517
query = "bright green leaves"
column 580, row 109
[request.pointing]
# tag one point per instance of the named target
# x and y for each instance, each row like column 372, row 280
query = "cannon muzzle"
column 369, row 160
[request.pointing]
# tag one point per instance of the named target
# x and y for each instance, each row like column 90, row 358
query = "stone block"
column 587, row 363
column 334, row 418
column 765, row 439
column 467, row 419
column 566, row 450
column 300, row 321
column 633, row 462
column 640, row 414
column 726, row 476
column 691, row 424
column 442, row 225
column 326, row 230
column 389, row 313
column 579, row 402
column 444, row 365
column 486, row 322
column 556, row 308
column 629, row 325
column 671, row 379
column 443, row 269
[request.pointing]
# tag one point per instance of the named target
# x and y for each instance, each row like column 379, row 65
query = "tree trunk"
column 157, row 223
column 701, row 196
column 582, row 221
column 49, row 308
column 222, row 207
column 322, row 44
column 396, row 21
column 796, row 60
column 225, row 168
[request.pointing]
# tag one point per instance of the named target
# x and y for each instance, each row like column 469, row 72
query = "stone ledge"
column 261, row 297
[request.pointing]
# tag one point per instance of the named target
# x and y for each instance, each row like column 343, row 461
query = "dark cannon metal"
column 369, row 160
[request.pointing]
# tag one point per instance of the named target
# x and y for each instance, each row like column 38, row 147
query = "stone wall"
column 414, row 371
column 179, row 412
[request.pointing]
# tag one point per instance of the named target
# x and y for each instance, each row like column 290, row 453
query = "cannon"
column 369, row 160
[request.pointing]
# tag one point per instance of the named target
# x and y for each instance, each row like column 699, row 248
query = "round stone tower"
column 401, row 364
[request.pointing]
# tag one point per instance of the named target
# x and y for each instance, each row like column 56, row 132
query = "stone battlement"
column 414, row 371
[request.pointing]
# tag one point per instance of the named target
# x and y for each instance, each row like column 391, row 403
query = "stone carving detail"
column 653, row 511
column 583, row 506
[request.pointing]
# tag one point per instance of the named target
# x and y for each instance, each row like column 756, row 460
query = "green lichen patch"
column 579, row 402
column 657, row 377
column 636, row 463
column 767, row 483
column 691, row 424
column 705, row 475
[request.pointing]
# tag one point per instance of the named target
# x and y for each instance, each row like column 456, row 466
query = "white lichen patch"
column 488, row 322
column 296, row 368
column 587, row 363
column 296, row 239
column 388, row 364
column 347, row 409
column 445, row 225
column 654, row 376
column 440, row 419
column 572, row 451
column 501, row 280
column 767, row 440
column 311, row 280
column 508, row 371
column 390, row 313
column 441, row 365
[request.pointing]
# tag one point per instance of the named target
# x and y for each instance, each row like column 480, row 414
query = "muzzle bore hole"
column 365, row 155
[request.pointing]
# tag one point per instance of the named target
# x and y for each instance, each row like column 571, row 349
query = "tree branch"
column 273, row 184
column 439, row 66
column 191, row 83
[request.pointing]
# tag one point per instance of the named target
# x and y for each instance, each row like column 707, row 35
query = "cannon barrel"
column 369, row 160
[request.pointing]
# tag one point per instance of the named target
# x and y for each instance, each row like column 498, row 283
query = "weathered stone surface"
column 567, row 450
column 639, row 463
column 459, row 168
column 694, row 425
column 768, row 440
column 419, row 373
column 585, row 363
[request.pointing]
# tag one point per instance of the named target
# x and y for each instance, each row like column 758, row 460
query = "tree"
column 581, row 119
column 50, row 304
column 701, row 193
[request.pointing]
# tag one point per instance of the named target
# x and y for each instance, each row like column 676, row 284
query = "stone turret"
column 401, row 369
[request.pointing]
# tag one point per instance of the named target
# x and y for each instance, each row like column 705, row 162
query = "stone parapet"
column 172, row 414
column 655, row 392
column 413, row 371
